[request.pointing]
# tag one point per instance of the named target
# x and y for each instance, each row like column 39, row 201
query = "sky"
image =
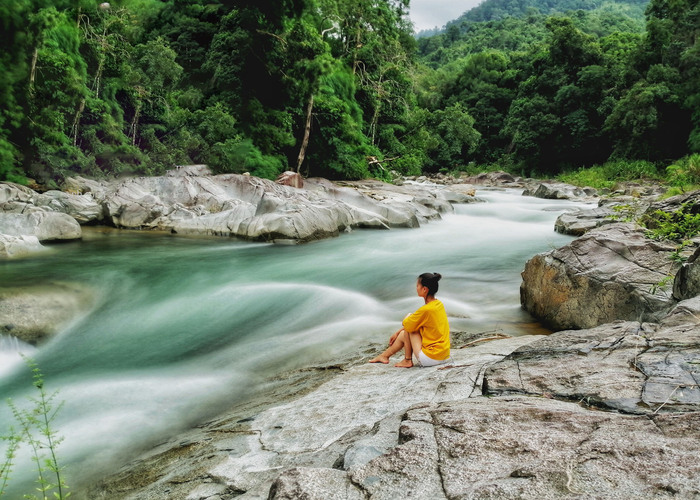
column 426, row 14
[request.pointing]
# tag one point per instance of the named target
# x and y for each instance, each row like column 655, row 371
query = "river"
column 182, row 328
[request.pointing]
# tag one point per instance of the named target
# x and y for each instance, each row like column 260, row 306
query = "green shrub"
column 685, row 173
column 679, row 225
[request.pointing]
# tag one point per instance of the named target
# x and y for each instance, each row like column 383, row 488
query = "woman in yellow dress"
column 424, row 333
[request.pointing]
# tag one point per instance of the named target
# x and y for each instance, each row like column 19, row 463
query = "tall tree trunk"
column 76, row 121
column 307, row 132
column 32, row 72
column 135, row 123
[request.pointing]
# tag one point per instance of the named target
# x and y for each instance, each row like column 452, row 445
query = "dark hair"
column 430, row 280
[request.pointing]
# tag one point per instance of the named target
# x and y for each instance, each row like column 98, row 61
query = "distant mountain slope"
column 493, row 10
column 515, row 25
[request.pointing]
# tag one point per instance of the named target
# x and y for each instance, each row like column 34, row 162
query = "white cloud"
column 426, row 14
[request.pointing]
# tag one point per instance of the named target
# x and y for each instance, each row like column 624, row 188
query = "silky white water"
column 182, row 328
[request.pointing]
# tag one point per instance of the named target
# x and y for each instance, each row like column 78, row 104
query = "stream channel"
column 181, row 328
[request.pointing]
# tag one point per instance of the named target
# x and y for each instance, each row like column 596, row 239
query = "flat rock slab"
column 346, row 422
column 624, row 366
column 533, row 448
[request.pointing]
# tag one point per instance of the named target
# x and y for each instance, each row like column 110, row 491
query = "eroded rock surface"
column 608, row 274
column 624, row 366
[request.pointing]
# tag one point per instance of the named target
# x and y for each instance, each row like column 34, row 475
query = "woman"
column 426, row 332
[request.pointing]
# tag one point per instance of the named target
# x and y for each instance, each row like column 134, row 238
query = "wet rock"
column 34, row 313
column 611, row 273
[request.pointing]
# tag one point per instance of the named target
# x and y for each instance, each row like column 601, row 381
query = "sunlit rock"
column 18, row 246
column 46, row 226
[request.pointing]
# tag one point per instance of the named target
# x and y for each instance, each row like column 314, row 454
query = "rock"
column 559, row 191
column 46, row 226
column 293, row 179
column 623, row 366
column 83, row 208
column 498, row 178
column 611, row 273
column 257, row 209
column 686, row 284
column 189, row 170
column 18, row 246
column 10, row 191
column 352, row 412
column 314, row 484
column 34, row 313
column 579, row 222
column 528, row 448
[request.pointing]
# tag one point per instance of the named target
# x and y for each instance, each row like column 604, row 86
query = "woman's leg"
column 396, row 343
column 415, row 344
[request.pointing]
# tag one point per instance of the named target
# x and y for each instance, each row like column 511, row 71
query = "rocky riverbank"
column 607, row 407
column 607, row 410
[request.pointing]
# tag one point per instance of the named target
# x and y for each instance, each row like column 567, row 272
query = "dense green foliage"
column 341, row 88
column 551, row 94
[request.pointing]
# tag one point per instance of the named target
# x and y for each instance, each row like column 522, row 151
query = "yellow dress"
column 430, row 321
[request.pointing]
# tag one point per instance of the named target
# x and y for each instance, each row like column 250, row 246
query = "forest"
column 344, row 89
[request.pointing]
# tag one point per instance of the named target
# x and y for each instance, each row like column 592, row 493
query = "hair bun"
column 437, row 276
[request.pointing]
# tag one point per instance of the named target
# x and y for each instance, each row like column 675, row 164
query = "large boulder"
column 18, row 246
column 611, row 273
column 579, row 222
column 82, row 207
column 46, row 226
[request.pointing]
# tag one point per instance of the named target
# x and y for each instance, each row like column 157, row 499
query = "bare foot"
column 406, row 363
column 380, row 359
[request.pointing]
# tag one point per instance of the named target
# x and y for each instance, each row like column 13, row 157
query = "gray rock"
column 559, row 191
column 611, row 273
column 686, row 284
column 34, row 313
column 18, row 246
column 45, row 226
column 257, row 209
column 314, row 484
column 579, row 222
column 83, row 208
column 10, row 191
column 624, row 366
column 527, row 448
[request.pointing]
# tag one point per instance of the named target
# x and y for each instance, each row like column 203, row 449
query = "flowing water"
column 181, row 328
